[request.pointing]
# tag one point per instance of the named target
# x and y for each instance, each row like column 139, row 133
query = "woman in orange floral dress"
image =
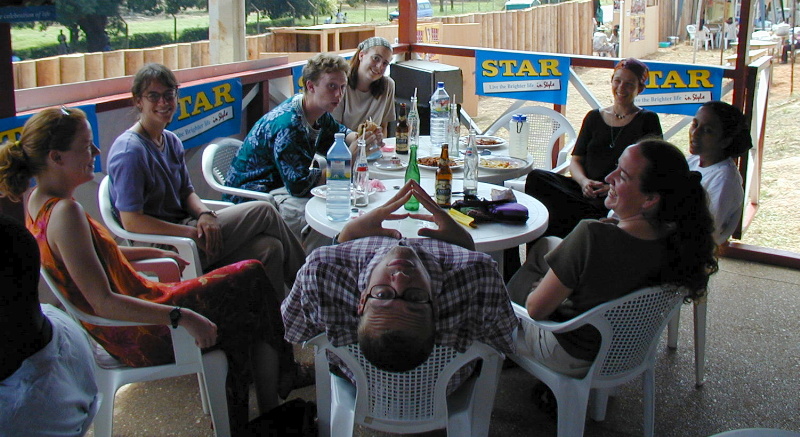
column 234, row 308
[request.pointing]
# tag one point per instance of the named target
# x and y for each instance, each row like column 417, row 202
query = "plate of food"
column 391, row 163
column 432, row 162
column 501, row 163
column 322, row 191
column 485, row 142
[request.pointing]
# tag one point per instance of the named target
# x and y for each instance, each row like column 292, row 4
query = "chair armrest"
column 216, row 205
column 249, row 194
column 569, row 325
column 166, row 269
column 186, row 248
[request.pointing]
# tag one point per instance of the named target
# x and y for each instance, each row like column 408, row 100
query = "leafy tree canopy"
column 292, row 8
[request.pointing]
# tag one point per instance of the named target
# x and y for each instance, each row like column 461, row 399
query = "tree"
column 288, row 8
column 91, row 16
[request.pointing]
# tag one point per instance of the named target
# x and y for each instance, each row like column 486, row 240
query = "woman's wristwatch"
column 175, row 317
column 210, row 211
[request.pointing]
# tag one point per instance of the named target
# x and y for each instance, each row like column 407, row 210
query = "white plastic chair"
column 211, row 368
column 217, row 159
column 691, row 29
column 547, row 127
column 700, row 308
column 707, row 38
column 630, row 328
column 185, row 247
column 405, row 402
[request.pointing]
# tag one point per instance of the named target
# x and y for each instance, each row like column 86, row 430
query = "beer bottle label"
column 443, row 192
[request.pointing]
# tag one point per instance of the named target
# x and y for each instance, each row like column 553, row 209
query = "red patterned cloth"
column 237, row 297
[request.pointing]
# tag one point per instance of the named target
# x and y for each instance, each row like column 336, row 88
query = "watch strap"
column 210, row 212
column 175, row 317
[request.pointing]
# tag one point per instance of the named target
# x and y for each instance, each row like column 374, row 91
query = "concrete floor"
column 752, row 374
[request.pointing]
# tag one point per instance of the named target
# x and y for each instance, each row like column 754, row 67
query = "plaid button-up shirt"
column 469, row 297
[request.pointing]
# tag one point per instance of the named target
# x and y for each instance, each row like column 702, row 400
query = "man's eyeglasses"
column 168, row 96
column 387, row 292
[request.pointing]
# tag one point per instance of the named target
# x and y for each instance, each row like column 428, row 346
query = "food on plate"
column 433, row 161
column 481, row 140
column 486, row 141
column 498, row 163
column 367, row 126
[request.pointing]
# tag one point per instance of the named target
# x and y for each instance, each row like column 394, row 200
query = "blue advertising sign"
column 208, row 111
column 11, row 128
column 680, row 88
column 522, row 76
column 297, row 76
column 19, row 14
column 297, row 79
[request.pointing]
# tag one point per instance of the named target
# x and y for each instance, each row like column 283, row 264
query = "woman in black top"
column 604, row 135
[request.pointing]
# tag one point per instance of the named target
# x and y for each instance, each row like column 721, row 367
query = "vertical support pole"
column 407, row 23
column 8, row 106
column 226, row 31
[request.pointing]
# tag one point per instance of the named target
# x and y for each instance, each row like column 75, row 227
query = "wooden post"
column 170, row 56
column 113, row 64
column 72, row 68
column 153, row 54
column 134, row 59
column 93, row 66
column 26, row 73
column 184, row 55
column 48, row 71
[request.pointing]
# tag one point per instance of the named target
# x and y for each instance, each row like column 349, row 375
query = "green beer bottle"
column 412, row 172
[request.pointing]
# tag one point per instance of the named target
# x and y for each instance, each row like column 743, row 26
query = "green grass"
column 376, row 13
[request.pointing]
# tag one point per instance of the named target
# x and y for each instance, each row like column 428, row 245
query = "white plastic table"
column 484, row 175
column 491, row 238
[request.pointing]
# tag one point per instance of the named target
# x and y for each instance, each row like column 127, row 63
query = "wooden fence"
column 554, row 28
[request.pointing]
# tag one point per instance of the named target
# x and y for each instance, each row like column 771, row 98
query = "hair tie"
column 694, row 177
column 374, row 41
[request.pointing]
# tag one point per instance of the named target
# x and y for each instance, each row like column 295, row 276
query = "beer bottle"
column 444, row 179
column 401, row 132
column 412, row 172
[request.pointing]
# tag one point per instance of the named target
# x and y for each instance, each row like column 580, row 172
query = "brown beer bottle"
column 444, row 179
column 401, row 132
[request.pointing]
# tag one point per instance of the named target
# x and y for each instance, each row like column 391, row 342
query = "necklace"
column 623, row 116
column 614, row 137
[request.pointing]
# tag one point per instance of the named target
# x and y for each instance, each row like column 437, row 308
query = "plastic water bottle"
column 518, row 133
column 453, row 129
column 440, row 117
column 471, row 161
column 337, row 202
column 361, row 175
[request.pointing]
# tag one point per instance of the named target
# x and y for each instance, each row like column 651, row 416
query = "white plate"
column 501, row 163
column 387, row 164
column 459, row 162
column 322, row 191
column 494, row 142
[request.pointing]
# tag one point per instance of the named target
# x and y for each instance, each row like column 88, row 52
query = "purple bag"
column 510, row 212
